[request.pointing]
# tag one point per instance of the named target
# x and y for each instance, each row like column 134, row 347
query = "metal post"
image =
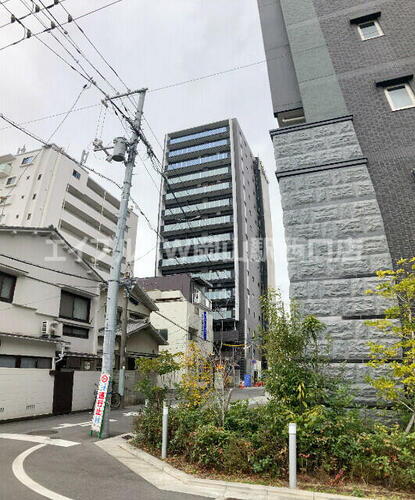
column 118, row 250
column 292, row 432
column 164, row 430
column 123, row 340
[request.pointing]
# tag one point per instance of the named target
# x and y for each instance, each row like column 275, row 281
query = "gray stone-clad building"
column 341, row 77
column 214, row 222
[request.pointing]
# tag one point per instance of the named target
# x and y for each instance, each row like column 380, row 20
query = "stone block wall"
column 335, row 238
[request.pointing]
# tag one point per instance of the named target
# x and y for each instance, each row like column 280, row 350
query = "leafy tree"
column 154, row 370
column 196, row 384
column 296, row 374
column 395, row 361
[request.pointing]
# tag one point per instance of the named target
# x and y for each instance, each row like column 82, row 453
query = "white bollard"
column 164, row 431
column 292, row 433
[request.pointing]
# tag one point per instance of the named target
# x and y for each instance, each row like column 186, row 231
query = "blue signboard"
column 204, row 325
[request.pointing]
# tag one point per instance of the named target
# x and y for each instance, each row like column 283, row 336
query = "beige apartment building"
column 44, row 188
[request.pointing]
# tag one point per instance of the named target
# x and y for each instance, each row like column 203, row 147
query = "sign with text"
column 100, row 402
column 204, row 325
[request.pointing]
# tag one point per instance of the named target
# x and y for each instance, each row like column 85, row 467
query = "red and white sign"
column 100, row 402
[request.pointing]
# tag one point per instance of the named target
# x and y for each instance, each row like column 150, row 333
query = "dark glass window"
column 7, row 285
column 74, row 307
column 76, row 174
column 25, row 362
column 164, row 333
column 27, row 160
column 75, row 331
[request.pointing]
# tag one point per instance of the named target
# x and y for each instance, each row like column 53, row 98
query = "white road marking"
column 79, row 424
column 131, row 414
column 38, row 439
column 19, row 472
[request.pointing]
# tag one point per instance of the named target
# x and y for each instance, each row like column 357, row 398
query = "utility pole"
column 123, row 340
column 121, row 146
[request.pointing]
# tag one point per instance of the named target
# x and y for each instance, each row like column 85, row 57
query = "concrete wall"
column 285, row 92
column 25, row 392
column 83, row 389
column 186, row 315
column 335, row 236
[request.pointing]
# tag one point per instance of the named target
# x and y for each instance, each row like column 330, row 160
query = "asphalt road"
column 247, row 393
column 78, row 472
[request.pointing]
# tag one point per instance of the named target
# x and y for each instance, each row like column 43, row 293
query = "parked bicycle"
column 115, row 398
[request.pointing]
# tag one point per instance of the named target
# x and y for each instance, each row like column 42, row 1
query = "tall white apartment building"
column 44, row 188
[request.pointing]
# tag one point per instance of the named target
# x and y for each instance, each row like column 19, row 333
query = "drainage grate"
column 42, row 433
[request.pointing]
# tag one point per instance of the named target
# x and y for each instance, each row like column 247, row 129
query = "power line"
column 63, row 24
column 21, row 261
column 172, row 85
column 210, row 75
column 85, row 87
column 112, row 181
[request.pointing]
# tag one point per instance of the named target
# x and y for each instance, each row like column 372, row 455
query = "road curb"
column 166, row 477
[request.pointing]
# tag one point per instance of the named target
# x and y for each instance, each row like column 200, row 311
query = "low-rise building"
column 52, row 308
column 184, row 311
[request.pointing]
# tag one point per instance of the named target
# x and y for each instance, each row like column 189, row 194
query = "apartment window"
column 17, row 216
column 28, row 160
column 7, row 286
column 39, row 177
column 29, row 216
column 74, row 307
column 34, row 197
column 400, row 96
column 11, row 181
column 369, row 29
column 25, row 362
column 76, row 174
column 75, row 331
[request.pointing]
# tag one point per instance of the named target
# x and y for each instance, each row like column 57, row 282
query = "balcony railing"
column 223, row 314
column 200, row 190
column 201, row 240
column 198, row 135
column 198, row 161
column 222, row 293
column 216, row 275
column 5, row 169
column 198, row 147
column 192, row 224
column 196, row 259
column 196, row 207
column 215, row 172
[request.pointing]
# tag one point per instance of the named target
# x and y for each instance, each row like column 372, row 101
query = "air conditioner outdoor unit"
column 52, row 328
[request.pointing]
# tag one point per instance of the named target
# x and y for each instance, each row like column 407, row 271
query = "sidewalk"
column 167, row 478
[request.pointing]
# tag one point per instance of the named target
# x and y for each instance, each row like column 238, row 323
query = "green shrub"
column 183, row 422
column 386, row 456
column 148, row 426
column 208, row 444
